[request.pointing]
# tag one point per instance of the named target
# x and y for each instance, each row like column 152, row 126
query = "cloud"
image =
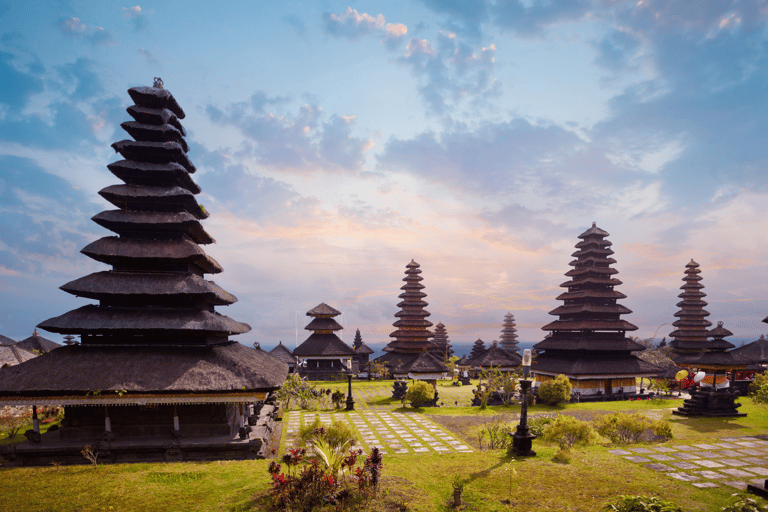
column 86, row 80
column 352, row 25
column 95, row 36
column 301, row 142
column 298, row 25
column 148, row 56
column 451, row 72
column 17, row 87
column 137, row 17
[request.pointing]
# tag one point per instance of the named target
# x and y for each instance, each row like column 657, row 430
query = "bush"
column 623, row 428
column 744, row 504
column 539, row 424
column 338, row 397
column 497, row 432
column 335, row 435
column 568, row 431
column 758, row 390
column 555, row 391
column 641, row 504
column 563, row 456
column 419, row 394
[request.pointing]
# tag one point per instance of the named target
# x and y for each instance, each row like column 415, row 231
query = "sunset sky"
column 337, row 141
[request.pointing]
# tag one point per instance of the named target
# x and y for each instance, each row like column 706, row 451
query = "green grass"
column 422, row 482
column 5, row 439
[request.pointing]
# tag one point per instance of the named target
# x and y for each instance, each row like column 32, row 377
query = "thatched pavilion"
column 154, row 361
column 37, row 343
column 323, row 355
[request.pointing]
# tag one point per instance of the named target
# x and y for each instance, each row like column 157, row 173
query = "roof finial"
column 158, row 83
column 593, row 224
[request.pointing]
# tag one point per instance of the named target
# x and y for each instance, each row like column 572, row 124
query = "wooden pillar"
column 35, row 422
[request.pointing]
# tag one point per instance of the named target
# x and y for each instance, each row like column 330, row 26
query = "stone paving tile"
column 736, row 472
column 708, row 463
column 684, row 448
column 685, row 477
column 619, row 452
column 705, row 485
column 731, row 453
column 687, row 456
column 757, row 461
column 659, row 467
column 748, row 444
column 643, row 450
column 638, row 459
column 664, row 449
column 707, row 455
column 758, row 471
column 660, row 456
column 706, row 446
column 732, row 462
column 749, row 451
column 726, row 445
column 685, row 465
column 737, row 484
column 709, row 475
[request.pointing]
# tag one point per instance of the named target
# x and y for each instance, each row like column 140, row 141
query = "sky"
column 336, row 141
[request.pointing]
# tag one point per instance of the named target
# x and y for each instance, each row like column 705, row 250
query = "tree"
column 555, row 391
column 296, row 388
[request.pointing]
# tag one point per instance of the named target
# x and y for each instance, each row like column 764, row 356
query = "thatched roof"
column 616, row 342
column 132, row 252
column 148, row 173
column 5, row 340
column 425, row 362
column 153, row 199
column 37, row 342
column 148, row 286
column 94, row 319
column 282, row 353
column 364, row 349
column 323, row 344
column 585, row 366
column 323, row 309
column 77, row 369
column 323, row 324
column 755, row 352
column 496, row 357
column 156, row 97
column 155, row 133
column 127, row 222
column 155, row 116
column 12, row 355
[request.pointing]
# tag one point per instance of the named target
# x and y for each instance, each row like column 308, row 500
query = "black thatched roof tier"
column 153, row 199
column 589, row 325
column 691, row 336
column 589, row 307
column 94, row 319
column 148, row 174
column 589, row 342
column 131, row 223
column 323, row 344
column 156, row 97
column 156, row 152
column 282, row 353
column 38, row 343
column 155, row 133
column 138, row 253
column 755, row 352
column 162, row 288
column 592, row 366
column 323, row 324
column 5, row 340
column 509, row 333
column 364, row 349
column 424, row 363
column 595, row 294
column 412, row 335
column 11, row 355
column 323, row 309
column 496, row 357
column 77, row 369
column 156, row 116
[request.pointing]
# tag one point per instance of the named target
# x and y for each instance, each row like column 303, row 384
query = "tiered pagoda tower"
column 444, row 350
column 509, row 334
column 693, row 349
column 477, row 348
column 588, row 342
column 153, row 343
column 409, row 355
column 323, row 355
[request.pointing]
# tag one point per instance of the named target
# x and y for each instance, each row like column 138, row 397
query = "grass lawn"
column 414, row 482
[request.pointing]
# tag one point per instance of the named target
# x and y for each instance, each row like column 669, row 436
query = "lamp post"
column 522, row 439
column 350, row 402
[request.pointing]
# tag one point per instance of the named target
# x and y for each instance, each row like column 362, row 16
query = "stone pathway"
column 391, row 432
column 733, row 461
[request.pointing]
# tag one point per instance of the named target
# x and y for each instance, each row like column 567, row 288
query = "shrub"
column 744, row 504
column 539, row 424
column 568, row 431
column 758, row 390
column 623, row 428
column 497, row 432
column 641, row 504
column 563, row 456
column 335, row 435
column 419, row 394
column 337, row 397
column 555, row 391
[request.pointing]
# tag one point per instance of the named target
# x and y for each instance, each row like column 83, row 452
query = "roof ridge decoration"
column 157, row 263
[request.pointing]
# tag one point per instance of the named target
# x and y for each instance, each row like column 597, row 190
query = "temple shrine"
column 588, row 342
column 509, row 334
column 693, row 350
column 284, row 354
column 324, row 356
column 155, row 373
column 409, row 355
column 363, row 352
column 37, row 343
column 444, row 349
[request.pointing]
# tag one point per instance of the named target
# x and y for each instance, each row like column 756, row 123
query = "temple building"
column 37, row 343
column 443, row 350
column 509, row 334
column 477, row 348
column 588, row 342
column 324, row 356
column 700, row 350
column 409, row 355
column 496, row 358
column 154, row 360
column 11, row 355
column 284, row 354
column 363, row 352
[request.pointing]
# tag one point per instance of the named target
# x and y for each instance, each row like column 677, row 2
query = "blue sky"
column 336, row 141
